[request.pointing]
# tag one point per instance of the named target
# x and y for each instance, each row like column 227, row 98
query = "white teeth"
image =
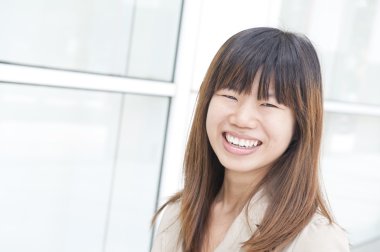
column 242, row 142
column 229, row 138
column 256, row 142
column 235, row 141
column 247, row 143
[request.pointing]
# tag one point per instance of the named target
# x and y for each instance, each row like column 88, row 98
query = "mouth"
column 241, row 142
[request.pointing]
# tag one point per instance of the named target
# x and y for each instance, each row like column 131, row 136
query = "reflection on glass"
column 120, row 37
column 346, row 36
column 137, row 173
column 57, row 153
column 351, row 169
column 353, row 71
column 79, row 170
column 154, row 39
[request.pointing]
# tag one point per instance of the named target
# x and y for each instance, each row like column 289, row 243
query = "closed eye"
column 269, row 105
column 230, row 97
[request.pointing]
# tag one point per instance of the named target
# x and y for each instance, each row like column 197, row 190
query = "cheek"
column 282, row 129
column 215, row 120
column 288, row 130
column 210, row 124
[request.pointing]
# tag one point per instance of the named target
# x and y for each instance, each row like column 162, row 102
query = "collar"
column 242, row 227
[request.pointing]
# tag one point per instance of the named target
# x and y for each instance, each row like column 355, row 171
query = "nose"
column 245, row 116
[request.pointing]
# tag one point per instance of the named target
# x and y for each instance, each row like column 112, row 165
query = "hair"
column 291, row 62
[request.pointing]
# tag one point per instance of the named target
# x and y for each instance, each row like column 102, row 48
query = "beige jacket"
column 317, row 236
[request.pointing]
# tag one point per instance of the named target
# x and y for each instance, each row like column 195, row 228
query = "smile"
column 242, row 143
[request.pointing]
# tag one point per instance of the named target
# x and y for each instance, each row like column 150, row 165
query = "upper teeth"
column 241, row 142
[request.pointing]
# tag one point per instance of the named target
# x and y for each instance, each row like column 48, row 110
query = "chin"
column 242, row 168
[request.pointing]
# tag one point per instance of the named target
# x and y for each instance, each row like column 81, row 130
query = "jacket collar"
column 242, row 227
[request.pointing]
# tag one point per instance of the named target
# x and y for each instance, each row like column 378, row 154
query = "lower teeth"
column 245, row 147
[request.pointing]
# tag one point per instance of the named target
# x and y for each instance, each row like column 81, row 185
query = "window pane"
column 154, row 39
column 73, row 176
column 120, row 37
column 351, row 167
column 137, row 173
column 353, row 69
column 347, row 39
column 57, row 156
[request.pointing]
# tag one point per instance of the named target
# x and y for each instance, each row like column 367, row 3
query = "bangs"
column 269, row 55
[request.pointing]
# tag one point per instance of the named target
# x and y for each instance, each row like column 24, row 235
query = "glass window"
column 137, row 173
column 353, row 69
column 154, row 39
column 347, row 39
column 57, row 155
column 79, row 169
column 119, row 37
column 351, row 168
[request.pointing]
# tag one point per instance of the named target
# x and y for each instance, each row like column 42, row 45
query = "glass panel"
column 292, row 11
column 57, row 156
column 154, row 39
column 351, row 167
column 121, row 37
column 347, row 39
column 137, row 173
column 71, row 34
column 354, row 66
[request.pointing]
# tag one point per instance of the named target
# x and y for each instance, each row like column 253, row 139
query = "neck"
column 236, row 189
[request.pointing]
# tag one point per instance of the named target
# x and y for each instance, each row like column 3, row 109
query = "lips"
column 241, row 142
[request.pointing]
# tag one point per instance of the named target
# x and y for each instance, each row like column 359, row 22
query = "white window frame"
column 179, row 91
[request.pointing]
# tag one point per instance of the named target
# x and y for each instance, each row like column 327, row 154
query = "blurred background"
column 96, row 98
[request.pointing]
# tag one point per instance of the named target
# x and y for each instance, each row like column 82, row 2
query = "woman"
column 252, row 157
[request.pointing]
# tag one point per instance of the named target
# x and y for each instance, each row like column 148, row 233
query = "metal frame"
column 77, row 80
column 351, row 108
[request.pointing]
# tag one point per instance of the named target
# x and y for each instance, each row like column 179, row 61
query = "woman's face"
column 248, row 134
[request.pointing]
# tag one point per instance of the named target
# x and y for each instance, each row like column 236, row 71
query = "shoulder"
column 320, row 235
column 168, row 230
column 170, row 217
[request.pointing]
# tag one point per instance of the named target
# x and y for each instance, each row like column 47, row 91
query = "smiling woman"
column 247, row 133
column 251, row 164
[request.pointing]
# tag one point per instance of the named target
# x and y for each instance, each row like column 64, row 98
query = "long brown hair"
column 291, row 61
